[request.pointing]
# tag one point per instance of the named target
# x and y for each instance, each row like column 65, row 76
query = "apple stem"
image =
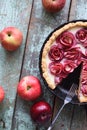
column 9, row 34
column 28, row 87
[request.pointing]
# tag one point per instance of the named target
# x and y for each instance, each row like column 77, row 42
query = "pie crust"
column 46, row 49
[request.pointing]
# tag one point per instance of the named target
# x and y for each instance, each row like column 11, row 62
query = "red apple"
column 53, row 5
column 41, row 112
column 29, row 88
column 2, row 94
column 11, row 38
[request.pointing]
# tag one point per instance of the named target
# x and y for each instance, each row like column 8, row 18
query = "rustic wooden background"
column 35, row 23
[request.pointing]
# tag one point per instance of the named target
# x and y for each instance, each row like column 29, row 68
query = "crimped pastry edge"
column 48, row 45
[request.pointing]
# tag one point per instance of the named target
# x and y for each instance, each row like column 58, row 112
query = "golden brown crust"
column 81, row 97
column 47, row 46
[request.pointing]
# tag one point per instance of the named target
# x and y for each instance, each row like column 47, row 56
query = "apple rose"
column 84, row 75
column 83, row 80
column 61, row 76
column 84, row 57
column 81, row 35
column 58, row 79
column 66, row 39
column 85, row 52
column 55, row 68
column 84, row 90
column 73, row 54
column 69, row 66
column 85, row 68
column 55, row 53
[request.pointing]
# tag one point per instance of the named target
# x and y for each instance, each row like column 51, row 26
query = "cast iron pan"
column 62, row 89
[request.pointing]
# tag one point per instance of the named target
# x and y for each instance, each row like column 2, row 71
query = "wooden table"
column 35, row 23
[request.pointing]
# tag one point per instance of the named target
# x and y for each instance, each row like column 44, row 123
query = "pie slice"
column 63, row 52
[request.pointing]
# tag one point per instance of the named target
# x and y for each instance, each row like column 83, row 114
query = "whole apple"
column 29, row 88
column 2, row 94
column 11, row 38
column 41, row 112
column 53, row 6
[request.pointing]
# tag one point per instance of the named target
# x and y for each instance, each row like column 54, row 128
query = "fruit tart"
column 63, row 52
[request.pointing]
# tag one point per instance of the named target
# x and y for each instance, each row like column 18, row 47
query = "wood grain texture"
column 78, row 10
column 79, row 120
column 64, row 120
column 12, row 13
column 36, row 24
column 41, row 24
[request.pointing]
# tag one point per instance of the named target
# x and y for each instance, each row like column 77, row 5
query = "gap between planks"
column 13, row 122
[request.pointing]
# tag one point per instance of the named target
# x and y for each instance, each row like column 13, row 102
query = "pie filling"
column 66, row 53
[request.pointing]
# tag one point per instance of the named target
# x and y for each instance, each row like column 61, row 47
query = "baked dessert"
column 63, row 52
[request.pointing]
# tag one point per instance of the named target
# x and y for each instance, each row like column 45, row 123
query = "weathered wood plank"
column 64, row 120
column 79, row 120
column 78, row 11
column 41, row 24
column 12, row 13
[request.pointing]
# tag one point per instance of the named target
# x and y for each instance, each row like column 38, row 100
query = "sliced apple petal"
column 58, row 79
column 84, row 89
column 55, row 53
column 81, row 35
column 69, row 66
column 55, row 68
column 66, row 39
column 73, row 54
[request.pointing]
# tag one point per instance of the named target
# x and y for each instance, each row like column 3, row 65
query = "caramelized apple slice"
column 58, row 79
column 55, row 53
column 69, row 66
column 66, row 39
column 81, row 35
column 55, row 68
column 84, row 90
column 83, row 83
column 73, row 53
